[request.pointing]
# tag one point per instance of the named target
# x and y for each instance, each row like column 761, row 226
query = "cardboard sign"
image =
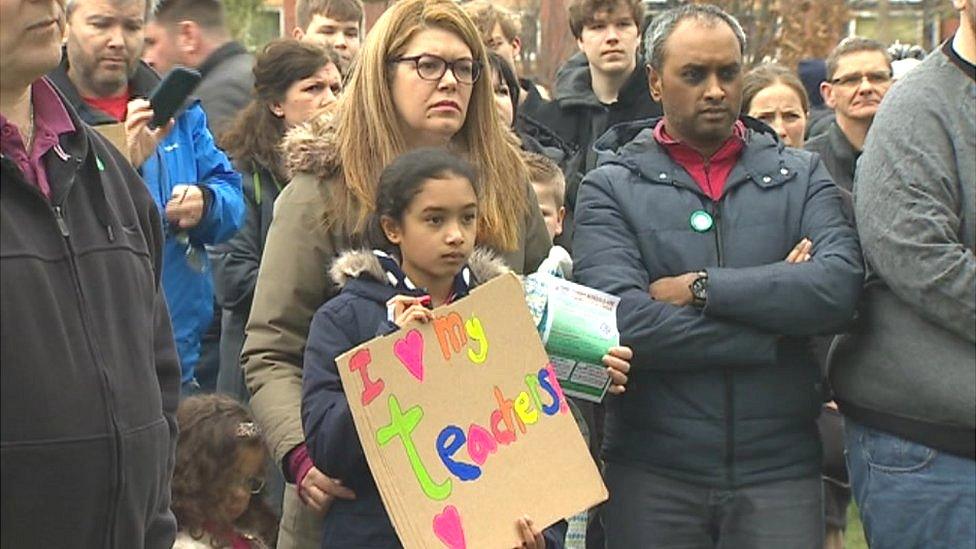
column 115, row 133
column 465, row 426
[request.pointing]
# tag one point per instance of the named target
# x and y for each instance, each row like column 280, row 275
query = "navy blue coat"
column 726, row 396
column 358, row 314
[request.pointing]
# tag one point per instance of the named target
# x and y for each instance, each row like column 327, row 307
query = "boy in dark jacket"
column 90, row 377
column 688, row 220
column 599, row 87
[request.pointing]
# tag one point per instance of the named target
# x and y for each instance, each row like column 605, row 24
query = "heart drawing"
column 410, row 351
column 447, row 526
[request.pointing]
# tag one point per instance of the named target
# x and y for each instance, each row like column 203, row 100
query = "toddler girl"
column 220, row 466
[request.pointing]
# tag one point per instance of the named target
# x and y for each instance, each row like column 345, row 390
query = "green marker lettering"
column 402, row 425
column 533, row 382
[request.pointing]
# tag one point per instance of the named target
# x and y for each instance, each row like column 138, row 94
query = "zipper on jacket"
column 728, row 375
column 716, row 211
column 106, row 385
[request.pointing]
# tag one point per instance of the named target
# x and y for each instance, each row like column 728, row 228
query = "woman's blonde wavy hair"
column 369, row 136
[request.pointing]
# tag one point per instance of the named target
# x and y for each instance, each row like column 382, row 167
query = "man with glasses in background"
column 858, row 77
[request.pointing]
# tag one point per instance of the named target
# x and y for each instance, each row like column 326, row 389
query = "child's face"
column 552, row 213
column 436, row 233
column 248, row 475
column 342, row 36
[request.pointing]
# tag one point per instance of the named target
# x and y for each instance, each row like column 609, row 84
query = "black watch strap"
column 699, row 290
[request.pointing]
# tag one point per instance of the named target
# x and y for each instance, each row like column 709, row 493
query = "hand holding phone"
column 140, row 141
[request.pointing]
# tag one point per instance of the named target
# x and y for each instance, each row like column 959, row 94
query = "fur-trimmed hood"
column 360, row 264
column 312, row 147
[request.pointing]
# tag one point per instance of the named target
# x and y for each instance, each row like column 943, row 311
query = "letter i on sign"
column 359, row 363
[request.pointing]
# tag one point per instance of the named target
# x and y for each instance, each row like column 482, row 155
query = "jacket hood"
column 627, row 144
column 365, row 265
column 574, row 85
column 312, row 147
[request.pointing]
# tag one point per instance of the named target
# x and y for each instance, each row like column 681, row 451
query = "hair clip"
column 247, row 429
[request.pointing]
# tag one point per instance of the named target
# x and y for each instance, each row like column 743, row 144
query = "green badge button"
column 701, row 221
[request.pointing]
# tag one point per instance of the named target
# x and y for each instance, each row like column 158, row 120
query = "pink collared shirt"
column 50, row 121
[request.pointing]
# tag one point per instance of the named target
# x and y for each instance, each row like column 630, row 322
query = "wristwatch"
column 699, row 290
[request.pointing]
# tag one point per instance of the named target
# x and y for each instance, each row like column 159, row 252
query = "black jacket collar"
column 844, row 154
column 141, row 84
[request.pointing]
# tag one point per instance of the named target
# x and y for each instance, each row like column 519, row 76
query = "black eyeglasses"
column 874, row 78
column 431, row 67
column 253, row 485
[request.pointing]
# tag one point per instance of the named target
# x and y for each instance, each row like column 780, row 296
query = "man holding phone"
column 193, row 183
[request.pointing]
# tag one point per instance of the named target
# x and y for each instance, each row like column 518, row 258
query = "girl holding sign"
column 416, row 83
column 427, row 219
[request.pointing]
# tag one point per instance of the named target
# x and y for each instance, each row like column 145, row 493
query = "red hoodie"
column 710, row 174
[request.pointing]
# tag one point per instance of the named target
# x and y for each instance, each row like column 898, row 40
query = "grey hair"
column 70, row 5
column 663, row 25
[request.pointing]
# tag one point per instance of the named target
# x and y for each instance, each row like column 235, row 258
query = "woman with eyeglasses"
column 219, row 473
column 418, row 82
column 292, row 81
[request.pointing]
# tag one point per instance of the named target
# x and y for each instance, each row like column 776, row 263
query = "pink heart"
column 447, row 526
column 410, row 351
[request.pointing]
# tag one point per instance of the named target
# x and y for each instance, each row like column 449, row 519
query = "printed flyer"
column 578, row 325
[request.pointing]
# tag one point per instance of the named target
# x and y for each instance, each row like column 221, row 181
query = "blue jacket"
column 355, row 316
column 187, row 155
column 726, row 396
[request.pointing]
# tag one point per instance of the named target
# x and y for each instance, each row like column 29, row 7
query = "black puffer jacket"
column 726, row 396
column 579, row 118
column 90, row 376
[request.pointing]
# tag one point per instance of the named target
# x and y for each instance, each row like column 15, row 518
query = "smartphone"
column 171, row 93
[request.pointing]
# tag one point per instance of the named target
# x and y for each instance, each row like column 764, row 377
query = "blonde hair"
column 545, row 173
column 486, row 15
column 369, row 136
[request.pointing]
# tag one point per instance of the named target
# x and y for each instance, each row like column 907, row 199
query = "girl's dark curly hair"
column 214, row 431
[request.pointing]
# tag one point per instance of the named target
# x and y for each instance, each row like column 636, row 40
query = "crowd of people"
column 793, row 250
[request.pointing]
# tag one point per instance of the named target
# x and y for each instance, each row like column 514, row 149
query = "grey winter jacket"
column 726, row 396
column 225, row 88
column 840, row 159
column 909, row 367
